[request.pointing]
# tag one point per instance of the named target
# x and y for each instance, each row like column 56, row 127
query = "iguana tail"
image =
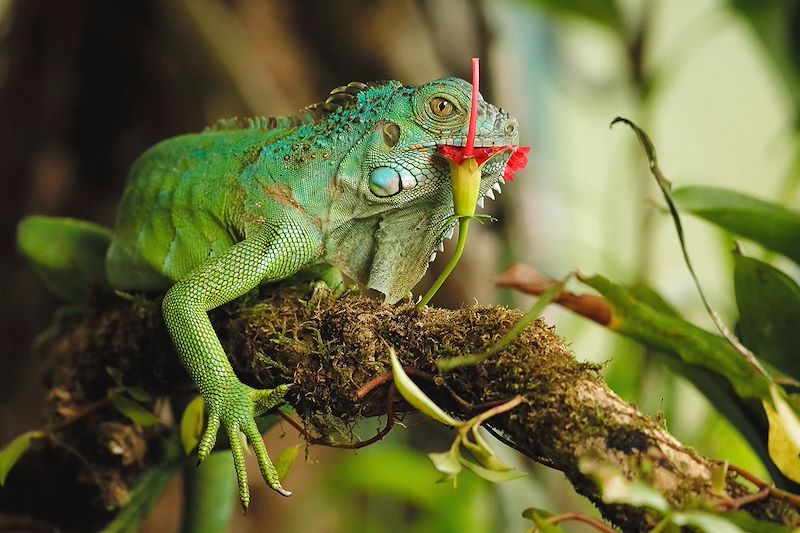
column 67, row 254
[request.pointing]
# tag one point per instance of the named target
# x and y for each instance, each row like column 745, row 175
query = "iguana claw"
column 236, row 411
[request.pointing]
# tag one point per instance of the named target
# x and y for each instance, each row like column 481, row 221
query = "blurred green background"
column 87, row 85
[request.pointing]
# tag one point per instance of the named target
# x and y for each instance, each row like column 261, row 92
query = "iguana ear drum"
column 391, row 134
column 385, row 181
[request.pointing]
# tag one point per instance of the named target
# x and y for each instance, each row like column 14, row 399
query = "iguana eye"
column 442, row 107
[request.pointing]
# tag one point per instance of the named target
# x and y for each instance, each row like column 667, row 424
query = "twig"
column 350, row 445
column 794, row 499
column 580, row 517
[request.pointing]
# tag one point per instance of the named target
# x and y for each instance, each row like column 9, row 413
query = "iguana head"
column 392, row 202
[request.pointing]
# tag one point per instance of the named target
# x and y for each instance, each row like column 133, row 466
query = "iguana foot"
column 236, row 409
column 329, row 279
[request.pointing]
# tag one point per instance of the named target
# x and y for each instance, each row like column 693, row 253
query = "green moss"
column 331, row 346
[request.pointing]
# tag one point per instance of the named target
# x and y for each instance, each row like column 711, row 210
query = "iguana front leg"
column 278, row 250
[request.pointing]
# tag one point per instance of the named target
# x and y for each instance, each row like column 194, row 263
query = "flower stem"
column 544, row 299
column 463, row 226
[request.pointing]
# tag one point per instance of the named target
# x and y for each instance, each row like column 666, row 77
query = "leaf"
column 67, row 254
column 495, row 476
column 746, row 415
column 115, row 374
column 603, row 12
column 665, row 186
column 480, row 449
column 539, row 518
column 414, row 396
column 674, row 335
column 134, row 411
column 773, row 226
column 719, row 476
column 449, row 462
column 619, row 490
column 705, row 359
column 707, row 522
column 138, row 394
column 527, row 279
column 784, row 434
column 14, row 450
column 285, row 461
column 192, row 422
column 769, row 312
column 746, row 521
column 615, row 488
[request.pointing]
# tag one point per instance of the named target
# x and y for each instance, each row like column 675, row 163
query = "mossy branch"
column 330, row 347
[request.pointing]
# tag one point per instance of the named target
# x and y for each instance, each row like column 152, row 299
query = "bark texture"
column 330, row 347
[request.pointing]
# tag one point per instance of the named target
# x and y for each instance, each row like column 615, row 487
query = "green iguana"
column 356, row 182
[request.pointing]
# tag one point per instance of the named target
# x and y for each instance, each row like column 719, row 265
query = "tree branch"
column 331, row 347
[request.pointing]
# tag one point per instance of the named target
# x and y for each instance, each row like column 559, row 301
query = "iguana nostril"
column 391, row 134
column 511, row 128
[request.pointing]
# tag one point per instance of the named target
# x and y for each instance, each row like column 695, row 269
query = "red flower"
column 516, row 162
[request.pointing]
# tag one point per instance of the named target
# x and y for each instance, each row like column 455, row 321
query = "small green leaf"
column 480, row 449
column 703, row 521
column 192, row 422
column 615, row 488
column 285, row 461
column 134, row 411
column 495, row 476
column 539, row 518
column 414, row 396
column 530, row 512
column 115, row 374
column 449, row 462
column 745, row 520
column 635, row 493
column 769, row 312
column 138, row 394
column 67, row 254
column 784, row 434
column 773, row 226
column 14, row 450
column 719, row 476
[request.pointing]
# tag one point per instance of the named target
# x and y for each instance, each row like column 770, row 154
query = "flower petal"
column 452, row 153
column 516, row 162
